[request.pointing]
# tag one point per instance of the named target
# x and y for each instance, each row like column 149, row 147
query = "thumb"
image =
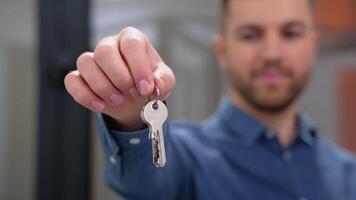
column 164, row 79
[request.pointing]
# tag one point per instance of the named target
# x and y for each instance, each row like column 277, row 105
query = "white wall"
column 320, row 100
column 17, row 99
column 4, row 127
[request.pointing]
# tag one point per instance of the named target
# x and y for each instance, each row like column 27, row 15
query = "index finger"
column 133, row 46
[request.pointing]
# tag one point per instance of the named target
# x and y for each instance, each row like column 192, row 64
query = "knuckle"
column 172, row 77
column 68, row 79
column 123, row 82
column 84, row 59
column 101, row 88
column 103, row 50
column 130, row 29
column 131, row 42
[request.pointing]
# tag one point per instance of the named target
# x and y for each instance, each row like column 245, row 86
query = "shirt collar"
column 239, row 122
column 250, row 129
column 306, row 128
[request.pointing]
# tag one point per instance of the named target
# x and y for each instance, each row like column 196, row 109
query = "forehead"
column 269, row 12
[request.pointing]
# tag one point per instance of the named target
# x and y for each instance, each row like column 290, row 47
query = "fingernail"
column 134, row 93
column 98, row 106
column 144, row 86
column 116, row 99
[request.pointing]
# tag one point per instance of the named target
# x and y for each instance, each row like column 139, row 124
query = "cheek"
column 241, row 59
column 302, row 57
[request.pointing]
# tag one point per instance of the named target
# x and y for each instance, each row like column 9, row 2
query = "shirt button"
column 134, row 141
column 287, row 156
column 303, row 198
column 113, row 160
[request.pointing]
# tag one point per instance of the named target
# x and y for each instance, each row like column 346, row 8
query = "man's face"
column 267, row 49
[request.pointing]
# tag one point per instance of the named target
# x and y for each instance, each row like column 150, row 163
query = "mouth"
column 272, row 76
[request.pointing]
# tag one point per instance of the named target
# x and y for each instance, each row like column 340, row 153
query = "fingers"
column 154, row 57
column 81, row 92
column 108, row 57
column 120, row 66
column 164, row 79
column 97, row 80
column 138, row 52
column 133, row 46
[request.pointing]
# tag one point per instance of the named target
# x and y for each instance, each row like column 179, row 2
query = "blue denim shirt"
column 229, row 156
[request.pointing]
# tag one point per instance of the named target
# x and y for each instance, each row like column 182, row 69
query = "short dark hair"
column 224, row 5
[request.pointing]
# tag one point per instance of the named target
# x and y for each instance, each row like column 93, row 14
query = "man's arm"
column 129, row 169
column 117, row 79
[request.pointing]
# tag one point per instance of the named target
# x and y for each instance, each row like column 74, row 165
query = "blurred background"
column 48, row 144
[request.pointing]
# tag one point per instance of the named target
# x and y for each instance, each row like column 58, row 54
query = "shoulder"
column 338, row 169
column 336, row 153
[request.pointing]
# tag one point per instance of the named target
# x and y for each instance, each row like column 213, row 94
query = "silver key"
column 154, row 114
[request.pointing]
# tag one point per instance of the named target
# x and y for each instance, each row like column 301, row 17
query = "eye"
column 250, row 36
column 292, row 34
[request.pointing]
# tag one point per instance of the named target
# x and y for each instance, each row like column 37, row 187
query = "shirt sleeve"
column 129, row 170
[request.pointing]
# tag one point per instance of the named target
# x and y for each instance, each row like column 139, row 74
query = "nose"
column 272, row 47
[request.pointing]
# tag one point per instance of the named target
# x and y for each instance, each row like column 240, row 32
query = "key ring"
column 157, row 94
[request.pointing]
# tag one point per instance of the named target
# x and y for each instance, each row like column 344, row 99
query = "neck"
column 283, row 123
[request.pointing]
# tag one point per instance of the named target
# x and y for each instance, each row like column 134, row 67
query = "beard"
column 271, row 98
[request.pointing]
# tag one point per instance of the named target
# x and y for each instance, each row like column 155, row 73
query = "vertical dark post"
column 63, row 153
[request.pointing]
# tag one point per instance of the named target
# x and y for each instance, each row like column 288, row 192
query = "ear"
column 220, row 51
column 316, row 37
column 316, row 40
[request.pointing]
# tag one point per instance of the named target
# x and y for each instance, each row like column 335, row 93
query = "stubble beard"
column 249, row 93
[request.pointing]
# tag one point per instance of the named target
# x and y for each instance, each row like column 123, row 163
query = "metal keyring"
column 157, row 94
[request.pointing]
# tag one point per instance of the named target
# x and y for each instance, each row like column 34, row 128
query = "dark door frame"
column 63, row 144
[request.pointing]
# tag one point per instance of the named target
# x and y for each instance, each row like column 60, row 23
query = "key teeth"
column 156, row 154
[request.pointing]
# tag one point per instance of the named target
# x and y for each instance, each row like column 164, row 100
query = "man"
column 258, row 145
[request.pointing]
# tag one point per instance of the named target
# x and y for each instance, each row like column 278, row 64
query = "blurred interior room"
column 40, row 156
